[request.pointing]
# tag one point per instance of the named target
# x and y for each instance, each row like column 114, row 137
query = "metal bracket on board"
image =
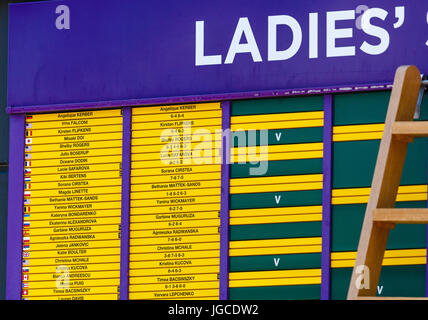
column 424, row 85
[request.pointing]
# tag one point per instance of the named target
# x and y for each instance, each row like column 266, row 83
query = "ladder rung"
column 410, row 128
column 390, row 298
column 410, row 216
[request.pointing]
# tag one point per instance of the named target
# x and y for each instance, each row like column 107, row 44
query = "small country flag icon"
column 27, row 170
column 27, row 156
column 25, row 285
column 26, row 224
column 29, row 141
column 26, row 254
column 27, row 193
column 26, row 215
column 27, row 163
column 27, row 179
column 25, row 263
column 27, row 186
column 29, row 117
column 26, row 247
column 26, row 239
column 24, row 292
column 25, row 277
column 27, row 209
column 27, row 201
column 26, row 233
column 28, row 148
column 28, row 133
column 25, row 269
column 28, row 125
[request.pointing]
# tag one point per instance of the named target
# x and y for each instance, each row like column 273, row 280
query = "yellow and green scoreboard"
column 246, row 199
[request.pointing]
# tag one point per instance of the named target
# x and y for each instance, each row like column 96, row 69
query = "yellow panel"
column 71, row 291
column 275, row 211
column 385, row 262
column 365, row 199
column 166, row 148
column 358, row 128
column 165, row 156
column 177, row 123
column 276, row 219
column 277, row 187
column 76, row 229
column 106, row 296
column 174, row 224
column 279, row 148
column 178, row 192
column 165, row 163
column 30, row 262
column 274, row 242
column 174, row 295
column 49, row 279
column 73, row 245
column 175, row 201
column 176, row 232
column 366, row 191
column 74, row 214
column 174, row 116
column 195, row 138
column 74, row 185
column 277, row 125
column 174, row 247
column 31, row 133
column 74, row 138
column 72, row 161
column 273, row 250
column 72, row 283
column 162, row 188
column 394, row 253
column 276, row 156
column 73, row 146
column 173, row 217
column 71, row 192
column 77, row 179
column 214, row 253
column 173, row 271
column 276, row 180
column 76, row 198
column 52, row 270
column 177, row 108
column 175, row 286
column 74, row 253
column 176, row 208
column 274, row 282
column 247, row 275
column 191, row 298
column 72, row 169
column 73, row 206
column 73, row 153
column 65, row 116
column 139, row 130
column 357, row 136
column 174, row 171
column 174, row 263
column 72, row 237
column 290, row 116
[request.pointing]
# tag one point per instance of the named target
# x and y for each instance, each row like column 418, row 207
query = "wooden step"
column 401, row 216
column 410, row 128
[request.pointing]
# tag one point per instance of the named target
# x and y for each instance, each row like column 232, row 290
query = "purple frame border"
column 124, row 225
column 224, row 204
column 200, row 98
column 326, row 197
column 15, row 205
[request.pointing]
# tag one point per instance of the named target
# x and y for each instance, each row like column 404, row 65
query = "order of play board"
column 72, row 205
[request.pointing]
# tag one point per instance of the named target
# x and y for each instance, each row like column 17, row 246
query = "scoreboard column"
column 175, row 202
column 72, row 205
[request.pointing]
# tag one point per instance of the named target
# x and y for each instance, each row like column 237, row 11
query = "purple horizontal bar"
column 199, row 98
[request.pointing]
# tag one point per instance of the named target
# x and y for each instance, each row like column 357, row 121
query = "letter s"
column 375, row 31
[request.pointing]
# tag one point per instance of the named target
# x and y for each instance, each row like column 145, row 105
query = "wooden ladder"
column 381, row 216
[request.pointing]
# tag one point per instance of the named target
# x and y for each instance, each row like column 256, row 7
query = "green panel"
column 360, row 108
column 354, row 163
column 280, row 168
column 275, row 199
column 275, row 231
column 347, row 221
column 285, row 262
column 281, row 136
column 395, row 281
column 277, row 105
column 305, row 292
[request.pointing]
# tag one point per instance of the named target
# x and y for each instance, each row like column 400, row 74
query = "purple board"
column 112, row 50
